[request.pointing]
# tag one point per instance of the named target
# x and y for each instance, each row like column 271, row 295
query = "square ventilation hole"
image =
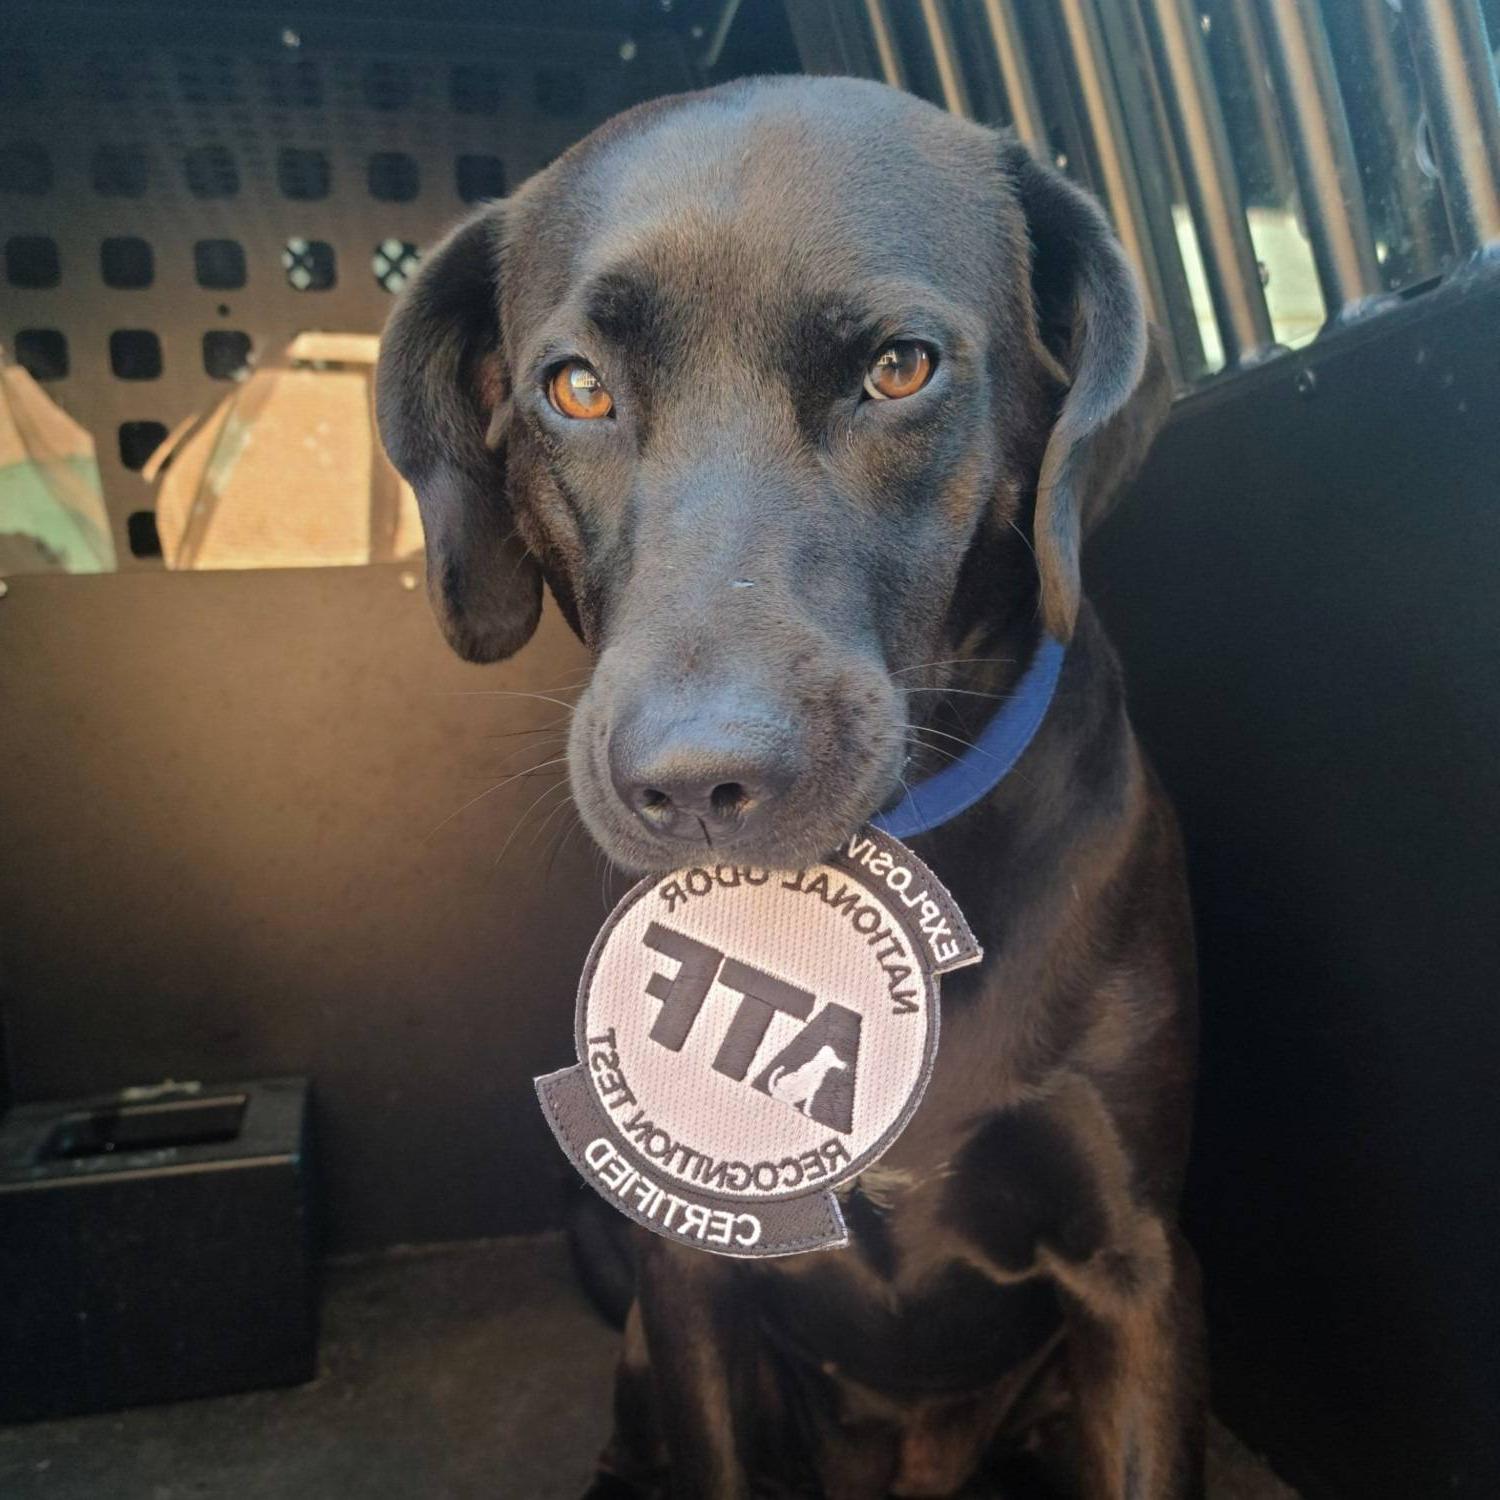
column 141, row 533
column 309, row 265
column 207, row 80
column 20, row 78
column 211, row 172
column 108, row 79
column 42, row 353
column 226, row 353
column 302, row 175
column 126, row 263
column 219, row 265
column 394, row 177
column 474, row 90
column 31, row 261
column 291, row 82
column 26, row 168
column 135, row 354
column 479, row 178
column 138, row 441
column 120, row 172
column 560, row 92
column 388, row 85
column 394, row 263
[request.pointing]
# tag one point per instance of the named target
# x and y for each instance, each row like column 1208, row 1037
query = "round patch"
column 749, row 1038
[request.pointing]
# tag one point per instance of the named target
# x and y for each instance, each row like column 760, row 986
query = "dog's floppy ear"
column 441, row 402
column 1092, row 328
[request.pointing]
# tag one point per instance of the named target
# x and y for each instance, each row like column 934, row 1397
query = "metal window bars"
column 1353, row 112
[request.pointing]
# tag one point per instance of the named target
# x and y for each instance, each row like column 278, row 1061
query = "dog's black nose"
column 699, row 779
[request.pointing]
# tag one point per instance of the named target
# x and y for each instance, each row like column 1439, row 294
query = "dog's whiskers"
column 562, row 844
column 1026, row 540
column 561, row 782
column 552, row 813
column 958, row 661
column 553, row 742
column 514, row 693
column 490, row 791
column 942, row 734
column 905, row 784
column 935, row 749
column 520, row 775
column 505, row 734
column 959, row 692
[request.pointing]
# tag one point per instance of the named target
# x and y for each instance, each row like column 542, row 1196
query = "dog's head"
column 785, row 389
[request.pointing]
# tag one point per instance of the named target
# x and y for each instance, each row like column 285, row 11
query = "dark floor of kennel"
column 472, row 1372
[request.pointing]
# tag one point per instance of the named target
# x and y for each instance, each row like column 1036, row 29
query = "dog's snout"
column 702, row 778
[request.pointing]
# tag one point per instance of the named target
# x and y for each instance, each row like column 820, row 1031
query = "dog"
column 800, row 395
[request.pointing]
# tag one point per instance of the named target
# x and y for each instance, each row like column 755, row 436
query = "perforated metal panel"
column 172, row 210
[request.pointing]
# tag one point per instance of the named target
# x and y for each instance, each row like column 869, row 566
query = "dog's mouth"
column 720, row 777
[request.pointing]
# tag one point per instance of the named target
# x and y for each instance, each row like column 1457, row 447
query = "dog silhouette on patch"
column 799, row 1086
column 816, row 1072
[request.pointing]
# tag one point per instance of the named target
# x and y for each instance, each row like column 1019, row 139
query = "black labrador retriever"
column 800, row 395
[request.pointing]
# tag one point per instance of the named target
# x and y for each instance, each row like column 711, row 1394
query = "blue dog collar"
column 1001, row 743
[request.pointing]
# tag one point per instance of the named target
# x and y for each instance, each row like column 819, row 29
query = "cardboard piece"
column 52, row 515
column 286, row 470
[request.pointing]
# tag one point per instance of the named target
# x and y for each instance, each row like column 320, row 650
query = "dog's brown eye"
column 576, row 391
column 900, row 369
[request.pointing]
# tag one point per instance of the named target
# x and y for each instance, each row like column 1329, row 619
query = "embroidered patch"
column 748, row 1039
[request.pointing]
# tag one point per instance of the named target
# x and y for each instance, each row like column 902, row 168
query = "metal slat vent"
column 1272, row 166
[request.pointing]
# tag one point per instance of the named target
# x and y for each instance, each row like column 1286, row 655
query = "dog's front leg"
column 700, row 1342
column 1136, row 1366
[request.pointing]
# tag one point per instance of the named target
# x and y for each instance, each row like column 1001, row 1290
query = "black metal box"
column 155, row 1245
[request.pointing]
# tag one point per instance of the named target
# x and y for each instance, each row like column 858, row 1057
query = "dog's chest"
column 904, row 1308
column 913, row 1304
column 941, row 1286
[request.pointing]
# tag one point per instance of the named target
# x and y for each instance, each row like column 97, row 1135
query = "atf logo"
column 798, row 1074
column 748, row 1039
